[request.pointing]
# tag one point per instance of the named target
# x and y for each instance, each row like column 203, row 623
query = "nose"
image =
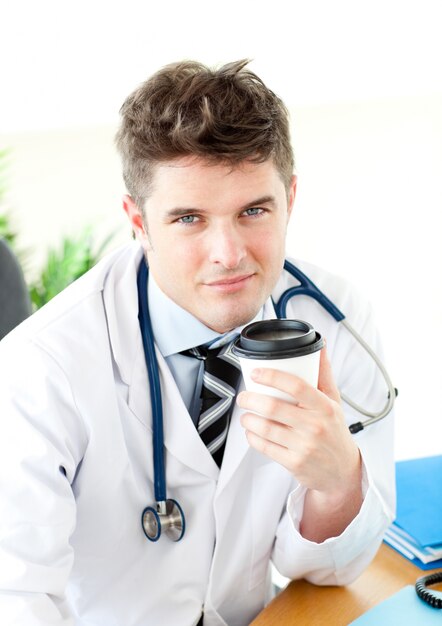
column 227, row 247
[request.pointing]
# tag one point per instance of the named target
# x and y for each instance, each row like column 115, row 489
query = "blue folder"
column 419, row 499
column 425, row 566
column 404, row 608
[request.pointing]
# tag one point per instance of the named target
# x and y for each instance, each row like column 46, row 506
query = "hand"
column 309, row 436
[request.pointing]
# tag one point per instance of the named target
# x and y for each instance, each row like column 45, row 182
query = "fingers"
column 280, row 454
column 297, row 388
column 269, row 406
column 303, row 395
column 319, row 453
column 267, row 429
column 326, row 381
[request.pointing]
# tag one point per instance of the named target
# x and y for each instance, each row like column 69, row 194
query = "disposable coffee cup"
column 292, row 346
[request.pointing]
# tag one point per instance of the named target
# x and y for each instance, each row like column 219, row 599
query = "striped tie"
column 220, row 382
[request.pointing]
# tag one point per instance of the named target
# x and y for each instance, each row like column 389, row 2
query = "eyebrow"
column 182, row 211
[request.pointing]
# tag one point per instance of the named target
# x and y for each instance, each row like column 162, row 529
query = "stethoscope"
column 167, row 515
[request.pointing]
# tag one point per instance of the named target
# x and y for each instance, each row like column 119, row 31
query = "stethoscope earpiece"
column 168, row 517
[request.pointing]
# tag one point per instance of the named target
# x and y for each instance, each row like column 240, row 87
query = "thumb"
column 326, row 381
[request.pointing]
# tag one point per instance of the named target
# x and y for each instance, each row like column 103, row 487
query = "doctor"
column 209, row 169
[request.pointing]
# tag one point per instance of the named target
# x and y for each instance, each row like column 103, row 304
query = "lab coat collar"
column 120, row 298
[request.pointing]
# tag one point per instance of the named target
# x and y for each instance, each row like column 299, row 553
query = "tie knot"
column 218, row 360
column 203, row 353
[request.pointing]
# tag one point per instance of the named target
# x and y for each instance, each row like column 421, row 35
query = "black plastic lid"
column 277, row 339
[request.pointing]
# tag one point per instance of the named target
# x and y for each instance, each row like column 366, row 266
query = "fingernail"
column 255, row 374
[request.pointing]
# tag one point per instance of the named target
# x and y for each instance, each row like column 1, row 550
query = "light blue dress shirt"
column 174, row 330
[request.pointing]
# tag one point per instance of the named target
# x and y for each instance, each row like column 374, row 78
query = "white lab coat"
column 76, row 473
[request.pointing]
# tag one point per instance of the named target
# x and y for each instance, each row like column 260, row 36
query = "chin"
column 225, row 324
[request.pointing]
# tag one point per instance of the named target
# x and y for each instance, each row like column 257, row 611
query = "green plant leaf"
column 74, row 258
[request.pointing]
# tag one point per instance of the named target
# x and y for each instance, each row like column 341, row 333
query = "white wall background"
column 363, row 83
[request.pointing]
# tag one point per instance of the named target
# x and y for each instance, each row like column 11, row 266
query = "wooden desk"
column 303, row 604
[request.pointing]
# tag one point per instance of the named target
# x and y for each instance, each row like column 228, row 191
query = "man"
column 209, row 170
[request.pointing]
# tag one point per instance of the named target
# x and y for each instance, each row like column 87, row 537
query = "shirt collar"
column 175, row 329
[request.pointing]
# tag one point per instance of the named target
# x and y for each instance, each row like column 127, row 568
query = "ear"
column 292, row 195
column 136, row 220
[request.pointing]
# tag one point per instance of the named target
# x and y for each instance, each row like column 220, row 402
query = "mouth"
column 232, row 284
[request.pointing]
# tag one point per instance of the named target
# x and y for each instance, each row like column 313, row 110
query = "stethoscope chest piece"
column 167, row 517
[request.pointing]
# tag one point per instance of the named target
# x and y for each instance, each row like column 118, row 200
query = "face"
column 214, row 236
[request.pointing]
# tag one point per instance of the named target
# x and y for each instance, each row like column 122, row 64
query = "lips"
column 229, row 281
column 230, row 285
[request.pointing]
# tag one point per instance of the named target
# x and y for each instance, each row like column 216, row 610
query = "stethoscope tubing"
column 374, row 416
column 154, row 385
column 306, row 287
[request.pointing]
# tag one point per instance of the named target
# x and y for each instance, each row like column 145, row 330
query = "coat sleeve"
column 41, row 443
column 339, row 560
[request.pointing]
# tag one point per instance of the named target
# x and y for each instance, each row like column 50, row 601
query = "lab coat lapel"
column 237, row 447
column 181, row 439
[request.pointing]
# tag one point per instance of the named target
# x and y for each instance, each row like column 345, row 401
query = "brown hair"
column 225, row 115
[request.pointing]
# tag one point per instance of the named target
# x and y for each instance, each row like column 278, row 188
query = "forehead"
column 193, row 177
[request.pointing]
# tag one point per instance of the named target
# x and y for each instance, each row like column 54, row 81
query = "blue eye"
column 253, row 211
column 187, row 219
